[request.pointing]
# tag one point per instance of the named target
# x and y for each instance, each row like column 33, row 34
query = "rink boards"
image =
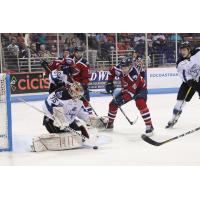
column 159, row 81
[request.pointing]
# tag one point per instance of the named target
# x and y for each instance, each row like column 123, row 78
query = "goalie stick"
column 70, row 129
column 155, row 143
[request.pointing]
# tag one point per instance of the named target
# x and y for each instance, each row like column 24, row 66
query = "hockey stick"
column 178, row 114
column 70, row 129
column 131, row 122
column 155, row 143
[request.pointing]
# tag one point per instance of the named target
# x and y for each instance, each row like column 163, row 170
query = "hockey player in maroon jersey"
column 80, row 72
column 67, row 61
column 133, row 88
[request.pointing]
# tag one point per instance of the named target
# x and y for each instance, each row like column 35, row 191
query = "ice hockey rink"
column 122, row 146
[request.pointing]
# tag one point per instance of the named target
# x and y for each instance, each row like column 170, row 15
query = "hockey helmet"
column 185, row 44
column 126, row 62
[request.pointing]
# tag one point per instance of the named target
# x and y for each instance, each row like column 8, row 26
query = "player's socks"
column 111, row 115
column 144, row 111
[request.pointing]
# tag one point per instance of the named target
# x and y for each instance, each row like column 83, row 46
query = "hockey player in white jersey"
column 188, row 67
column 62, row 108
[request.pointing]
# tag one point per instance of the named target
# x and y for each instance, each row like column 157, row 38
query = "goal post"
column 5, row 114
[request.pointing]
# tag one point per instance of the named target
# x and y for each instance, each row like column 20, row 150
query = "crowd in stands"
column 45, row 44
column 158, row 43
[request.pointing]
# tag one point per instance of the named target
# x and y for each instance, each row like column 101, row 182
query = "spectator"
column 66, row 53
column 92, row 41
column 139, row 39
column 67, row 42
column 20, row 40
column 150, row 43
column 159, row 38
column 33, row 50
column 78, row 42
column 42, row 38
column 13, row 48
column 53, row 51
column 23, row 53
column 101, row 38
column 43, row 52
column 71, row 48
column 83, row 45
column 111, row 37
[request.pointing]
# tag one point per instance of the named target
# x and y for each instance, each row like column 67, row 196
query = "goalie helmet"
column 76, row 90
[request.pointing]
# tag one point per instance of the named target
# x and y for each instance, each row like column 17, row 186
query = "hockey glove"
column 126, row 97
column 65, row 69
column 44, row 64
column 109, row 87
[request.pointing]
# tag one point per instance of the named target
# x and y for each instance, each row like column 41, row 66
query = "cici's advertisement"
column 28, row 83
column 35, row 82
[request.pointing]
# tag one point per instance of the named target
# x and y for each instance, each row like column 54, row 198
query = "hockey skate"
column 173, row 121
column 109, row 126
column 149, row 130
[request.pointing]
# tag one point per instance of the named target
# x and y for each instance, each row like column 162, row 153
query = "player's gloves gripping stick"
column 66, row 70
column 109, row 87
column 44, row 63
column 126, row 96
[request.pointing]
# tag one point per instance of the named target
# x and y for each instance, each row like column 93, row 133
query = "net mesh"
column 3, row 113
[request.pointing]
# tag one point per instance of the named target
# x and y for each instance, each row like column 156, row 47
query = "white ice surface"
column 123, row 146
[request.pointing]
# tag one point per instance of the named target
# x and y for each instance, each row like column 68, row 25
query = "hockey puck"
column 95, row 147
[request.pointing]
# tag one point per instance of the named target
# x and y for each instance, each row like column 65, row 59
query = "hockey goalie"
column 63, row 109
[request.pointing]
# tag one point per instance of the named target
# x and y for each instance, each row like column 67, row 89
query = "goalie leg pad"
column 56, row 142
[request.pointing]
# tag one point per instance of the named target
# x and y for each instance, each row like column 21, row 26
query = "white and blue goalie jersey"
column 72, row 108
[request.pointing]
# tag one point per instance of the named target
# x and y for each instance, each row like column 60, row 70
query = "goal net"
column 5, row 114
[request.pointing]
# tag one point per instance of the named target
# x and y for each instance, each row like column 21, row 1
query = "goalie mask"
column 76, row 90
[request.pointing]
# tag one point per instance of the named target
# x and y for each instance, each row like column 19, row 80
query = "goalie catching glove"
column 97, row 122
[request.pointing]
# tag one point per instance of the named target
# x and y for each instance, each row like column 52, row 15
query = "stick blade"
column 150, row 141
